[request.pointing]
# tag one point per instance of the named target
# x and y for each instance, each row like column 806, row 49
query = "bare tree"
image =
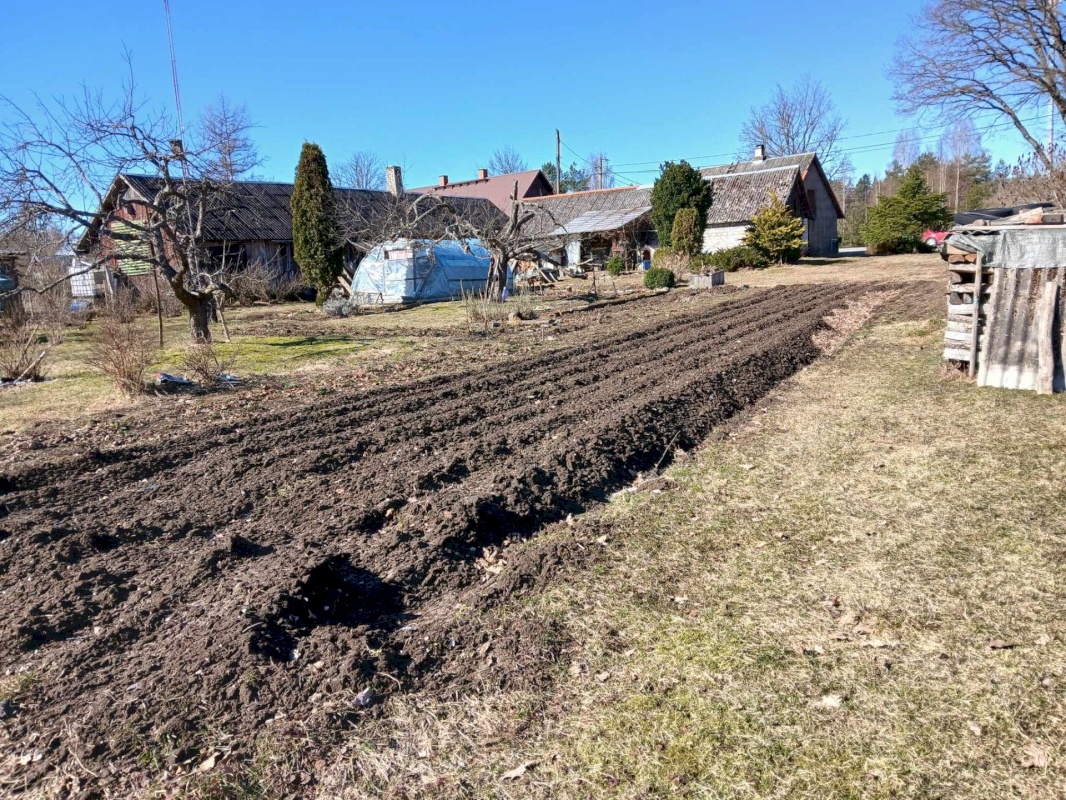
column 907, row 148
column 62, row 160
column 960, row 142
column 506, row 160
column 229, row 152
column 971, row 57
column 364, row 170
column 598, row 169
column 799, row 119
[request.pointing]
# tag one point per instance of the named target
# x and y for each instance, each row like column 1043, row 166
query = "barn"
column 741, row 188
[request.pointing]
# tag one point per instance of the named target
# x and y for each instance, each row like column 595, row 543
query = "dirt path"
column 171, row 598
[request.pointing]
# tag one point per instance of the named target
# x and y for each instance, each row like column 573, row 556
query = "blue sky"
column 438, row 86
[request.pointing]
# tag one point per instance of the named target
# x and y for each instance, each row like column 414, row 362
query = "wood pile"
column 969, row 287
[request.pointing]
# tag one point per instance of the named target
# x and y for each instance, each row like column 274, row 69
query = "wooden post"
column 1045, row 326
column 978, row 278
column 158, row 304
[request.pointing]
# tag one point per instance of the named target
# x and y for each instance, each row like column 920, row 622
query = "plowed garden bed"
column 165, row 602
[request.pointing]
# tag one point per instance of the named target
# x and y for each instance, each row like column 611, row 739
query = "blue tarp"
column 409, row 270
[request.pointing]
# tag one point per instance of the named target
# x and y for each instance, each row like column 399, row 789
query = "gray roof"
column 737, row 197
column 799, row 160
column 802, row 162
column 595, row 211
column 261, row 210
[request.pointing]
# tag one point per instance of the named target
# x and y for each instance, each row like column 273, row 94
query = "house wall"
column 822, row 229
column 722, row 237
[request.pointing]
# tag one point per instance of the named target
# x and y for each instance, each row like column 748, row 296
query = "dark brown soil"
column 179, row 596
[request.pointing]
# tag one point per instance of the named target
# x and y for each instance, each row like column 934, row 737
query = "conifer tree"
column 896, row 223
column 775, row 232
column 316, row 235
column 686, row 233
column 678, row 186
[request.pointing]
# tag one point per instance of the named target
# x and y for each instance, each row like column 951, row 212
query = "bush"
column 734, row 258
column 123, row 351
column 686, row 236
column 776, row 232
column 22, row 348
column 263, row 283
column 659, row 278
column 663, row 257
column 615, row 266
column 206, row 363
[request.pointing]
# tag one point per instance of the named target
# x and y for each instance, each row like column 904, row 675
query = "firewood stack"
column 969, row 286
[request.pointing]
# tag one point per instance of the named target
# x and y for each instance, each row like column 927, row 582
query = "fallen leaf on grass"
column 602, row 540
column 603, row 676
column 518, row 771
column 999, row 644
column 829, row 701
column 208, row 763
column 975, row 729
column 1042, row 640
column 1035, row 756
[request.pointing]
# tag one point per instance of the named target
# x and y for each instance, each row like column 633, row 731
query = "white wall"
column 723, row 237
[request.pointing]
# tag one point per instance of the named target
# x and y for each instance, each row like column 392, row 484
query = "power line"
column 866, row 148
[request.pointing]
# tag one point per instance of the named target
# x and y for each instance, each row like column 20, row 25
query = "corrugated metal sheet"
column 1009, row 355
column 601, row 221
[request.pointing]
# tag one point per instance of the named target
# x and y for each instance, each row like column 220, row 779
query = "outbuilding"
column 420, row 270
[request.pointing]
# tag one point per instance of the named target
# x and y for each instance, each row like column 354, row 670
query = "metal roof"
column 495, row 188
column 601, row 221
column 557, row 211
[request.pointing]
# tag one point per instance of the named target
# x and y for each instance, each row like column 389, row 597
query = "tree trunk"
column 200, row 318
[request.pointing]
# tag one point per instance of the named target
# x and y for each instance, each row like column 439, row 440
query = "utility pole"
column 558, row 161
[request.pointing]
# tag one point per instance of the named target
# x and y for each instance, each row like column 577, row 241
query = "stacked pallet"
column 969, row 287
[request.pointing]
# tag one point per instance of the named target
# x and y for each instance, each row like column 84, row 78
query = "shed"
column 1006, row 304
column 420, row 270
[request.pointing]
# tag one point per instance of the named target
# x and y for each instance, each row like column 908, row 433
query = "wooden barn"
column 740, row 190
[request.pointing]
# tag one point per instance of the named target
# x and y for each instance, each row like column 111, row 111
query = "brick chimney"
column 760, row 154
column 443, row 180
column 482, row 174
column 394, row 180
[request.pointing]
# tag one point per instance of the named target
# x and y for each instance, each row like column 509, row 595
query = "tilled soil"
column 166, row 601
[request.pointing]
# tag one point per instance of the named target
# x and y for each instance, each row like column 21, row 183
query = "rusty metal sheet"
column 1009, row 355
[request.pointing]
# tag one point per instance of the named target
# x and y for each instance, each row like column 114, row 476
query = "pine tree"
column 678, row 186
column 896, row 223
column 316, row 236
column 687, row 233
column 775, row 232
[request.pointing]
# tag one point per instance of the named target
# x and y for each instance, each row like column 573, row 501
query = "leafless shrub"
column 483, row 309
column 23, row 347
column 142, row 289
column 49, row 300
column 123, row 350
column 264, row 283
column 206, row 363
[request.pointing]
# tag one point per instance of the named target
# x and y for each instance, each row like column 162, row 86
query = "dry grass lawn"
column 858, row 594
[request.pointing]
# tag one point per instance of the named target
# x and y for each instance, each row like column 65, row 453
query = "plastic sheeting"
column 1016, row 248
column 405, row 271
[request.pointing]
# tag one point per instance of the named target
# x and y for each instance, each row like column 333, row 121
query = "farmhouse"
column 741, row 189
column 251, row 223
column 495, row 188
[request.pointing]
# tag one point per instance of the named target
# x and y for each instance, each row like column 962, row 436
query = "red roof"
column 495, row 188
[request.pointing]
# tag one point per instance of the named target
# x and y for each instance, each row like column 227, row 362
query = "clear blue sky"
column 438, row 86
